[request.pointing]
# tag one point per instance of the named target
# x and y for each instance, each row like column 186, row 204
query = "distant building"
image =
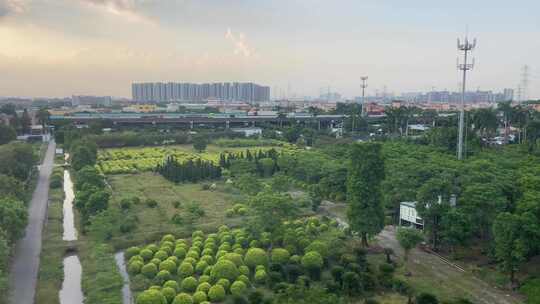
column 189, row 92
column 408, row 215
column 98, row 101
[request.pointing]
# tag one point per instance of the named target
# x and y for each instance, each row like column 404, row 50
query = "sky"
column 56, row 48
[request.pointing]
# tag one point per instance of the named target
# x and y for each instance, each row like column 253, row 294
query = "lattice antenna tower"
column 466, row 47
column 364, row 86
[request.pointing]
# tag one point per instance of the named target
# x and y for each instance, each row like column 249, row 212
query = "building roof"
column 408, row 204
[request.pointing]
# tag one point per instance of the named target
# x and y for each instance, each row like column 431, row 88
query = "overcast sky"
column 98, row 47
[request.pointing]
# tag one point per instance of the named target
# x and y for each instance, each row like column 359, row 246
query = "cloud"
column 10, row 7
column 241, row 47
column 128, row 9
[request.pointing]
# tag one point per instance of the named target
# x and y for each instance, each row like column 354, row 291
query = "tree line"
column 188, row 171
column 17, row 161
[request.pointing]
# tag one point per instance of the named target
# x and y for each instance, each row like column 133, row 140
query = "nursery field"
column 134, row 160
column 228, row 263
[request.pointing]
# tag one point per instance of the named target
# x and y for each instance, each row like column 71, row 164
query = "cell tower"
column 363, row 86
column 524, row 83
column 465, row 47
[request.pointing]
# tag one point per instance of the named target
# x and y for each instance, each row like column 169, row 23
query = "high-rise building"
column 508, row 94
column 170, row 92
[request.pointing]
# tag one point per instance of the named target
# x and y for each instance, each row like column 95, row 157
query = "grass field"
column 156, row 221
column 51, row 272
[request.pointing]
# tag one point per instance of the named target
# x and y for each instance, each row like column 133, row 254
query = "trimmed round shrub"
column 216, row 293
column 235, row 258
column 180, row 242
column 136, row 258
column 244, row 279
column 318, row 246
column 189, row 284
column 168, row 238
column 312, row 260
column 260, row 267
column 260, row 277
column 146, row 254
column 155, row 287
column 426, row 298
column 179, row 252
column 200, row 267
column 185, row 270
column 224, row 282
column 224, row 269
column 168, row 265
column 163, row 276
column 255, row 244
column 149, row 270
column 183, row 298
column 238, row 288
column 172, row 284
column 192, row 261
column 204, row 278
column 295, row 259
column 244, row 270
column 208, row 270
column 197, row 233
column 135, row 267
column 207, row 251
column 131, row 252
column 280, row 256
column 169, row 293
column 199, row 297
column 151, row 297
column 173, row 259
column 193, row 254
column 204, row 287
column 208, row 259
column 255, row 256
column 153, row 247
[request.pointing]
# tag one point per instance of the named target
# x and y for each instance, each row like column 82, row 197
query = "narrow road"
column 25, row 263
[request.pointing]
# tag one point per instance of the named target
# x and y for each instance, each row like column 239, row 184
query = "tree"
column 510, row 247
column 26, row 122
column 83, row 153
column 269, row 210
column 408, row 239
column 365, row 211
column 43, row 117
column 10, row 186
column 7, row 134
column 199, row 143
column 13, row 218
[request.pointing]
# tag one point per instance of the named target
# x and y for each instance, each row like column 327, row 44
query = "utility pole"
column 524, row 83
column 364, row 86
column 465, row 47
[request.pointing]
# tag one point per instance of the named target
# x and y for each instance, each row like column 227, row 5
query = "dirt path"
column 25, row 264
column 426, row 267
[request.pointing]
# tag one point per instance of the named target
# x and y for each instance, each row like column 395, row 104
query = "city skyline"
column 58, row 48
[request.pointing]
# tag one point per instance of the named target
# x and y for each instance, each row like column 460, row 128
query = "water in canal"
column 127, row 298
column 71, row 292
column 70, row 232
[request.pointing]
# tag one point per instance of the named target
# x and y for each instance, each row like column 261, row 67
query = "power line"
column 465, row 47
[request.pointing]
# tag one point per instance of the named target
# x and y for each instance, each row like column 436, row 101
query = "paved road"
column 25, row 264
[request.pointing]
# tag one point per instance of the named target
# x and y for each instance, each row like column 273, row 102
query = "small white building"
column 408, row 216
column 248, row 131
